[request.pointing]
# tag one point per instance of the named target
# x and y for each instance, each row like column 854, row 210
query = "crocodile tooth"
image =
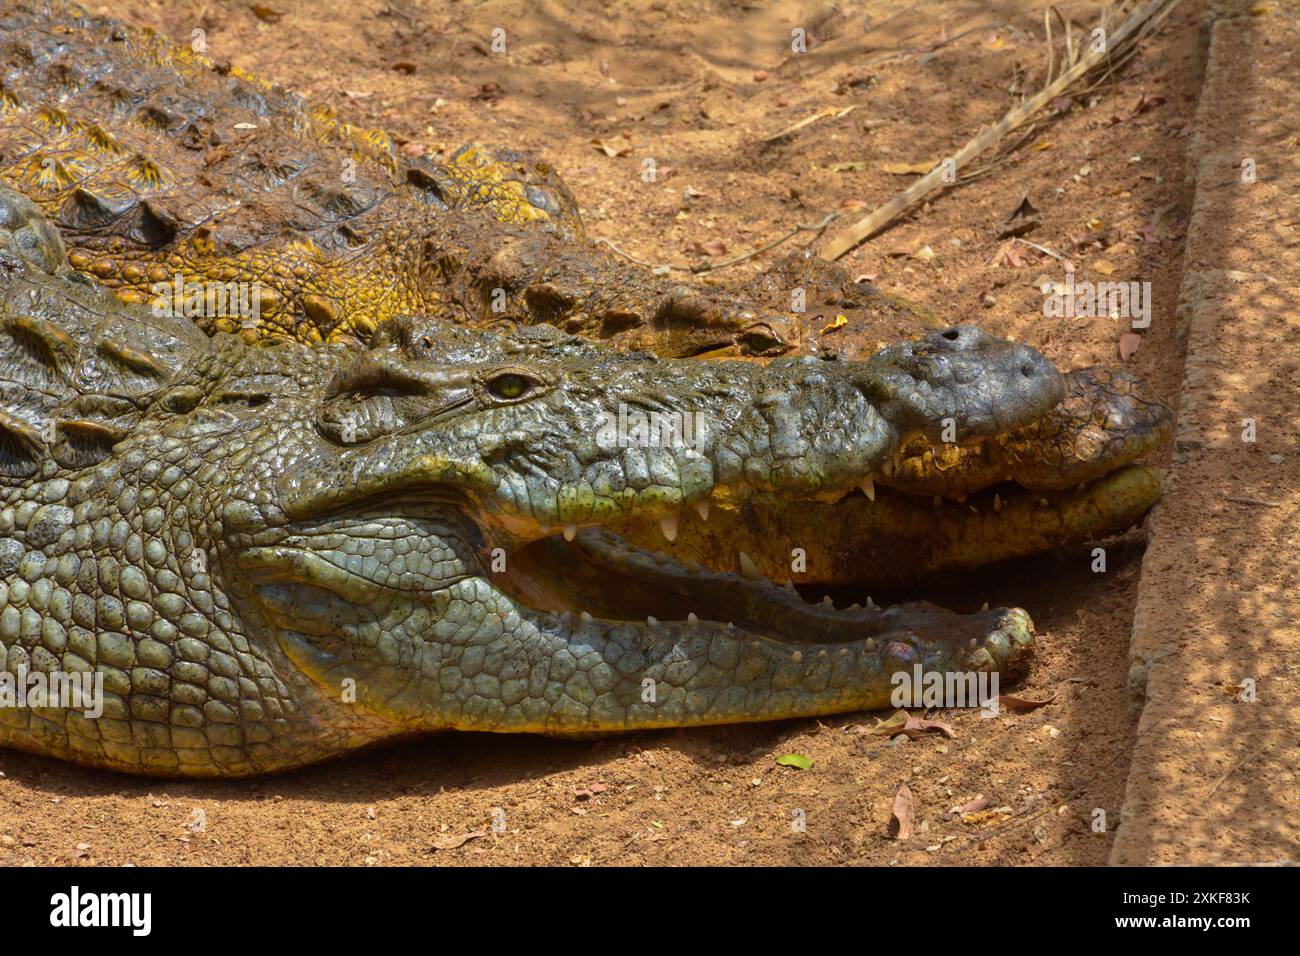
column 703, row 508
column 871, row 644
column 1043, row 502
column 961, row 499
column 586, row 618
column 869, row 489
column 692, row 619
column 974, row 643
column 650, row 621
column 870, row 603
column 997, row 503
column 827, row 602
column 570, row 530
column 669, row 527
column 985, row 606
column 747, row 567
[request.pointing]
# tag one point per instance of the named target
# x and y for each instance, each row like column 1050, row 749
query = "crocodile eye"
column 511, row 385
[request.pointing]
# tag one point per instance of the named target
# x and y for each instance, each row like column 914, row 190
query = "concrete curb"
column 1208, row 771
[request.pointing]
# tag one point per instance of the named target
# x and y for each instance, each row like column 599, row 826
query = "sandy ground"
column 696, row 86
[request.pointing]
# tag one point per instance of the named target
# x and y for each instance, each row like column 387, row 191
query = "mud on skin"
column 231, row 533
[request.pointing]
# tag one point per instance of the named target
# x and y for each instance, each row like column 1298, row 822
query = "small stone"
column 989, row 300
column 760, row 76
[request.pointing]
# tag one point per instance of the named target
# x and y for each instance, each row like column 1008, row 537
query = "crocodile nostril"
column 952, row 335
column 1027, row 369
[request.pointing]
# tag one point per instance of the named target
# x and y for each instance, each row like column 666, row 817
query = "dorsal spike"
column 84, row 442
column 22, row 446
column 88, row 210
column 46, row 343
column 142, row 363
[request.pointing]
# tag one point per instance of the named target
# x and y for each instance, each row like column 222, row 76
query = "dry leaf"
column 900, row 821
column 452, row 842
column 1023, row 219
column 1018, row 704
column 894, row 724
column 1104, row 266
column 839, row 322
column 901, row 722
column 1129, row 343
column 916, row 726
column 1042, row 145
column 616, row 148
column 265, row 13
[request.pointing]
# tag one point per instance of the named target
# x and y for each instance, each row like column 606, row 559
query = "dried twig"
column 808, row 121
column 1034, row 245
column 1118, row 47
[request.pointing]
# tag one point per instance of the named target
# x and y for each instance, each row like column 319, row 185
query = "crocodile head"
column 433, row 527
column 283, row 553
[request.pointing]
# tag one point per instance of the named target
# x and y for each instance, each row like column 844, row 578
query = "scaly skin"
column 276, row 554
column 156, row 163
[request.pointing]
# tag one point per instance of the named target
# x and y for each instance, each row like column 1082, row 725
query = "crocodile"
column 167, row 173
column 254, row 556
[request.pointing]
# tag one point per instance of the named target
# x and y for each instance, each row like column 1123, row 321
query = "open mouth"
column 601, row 575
